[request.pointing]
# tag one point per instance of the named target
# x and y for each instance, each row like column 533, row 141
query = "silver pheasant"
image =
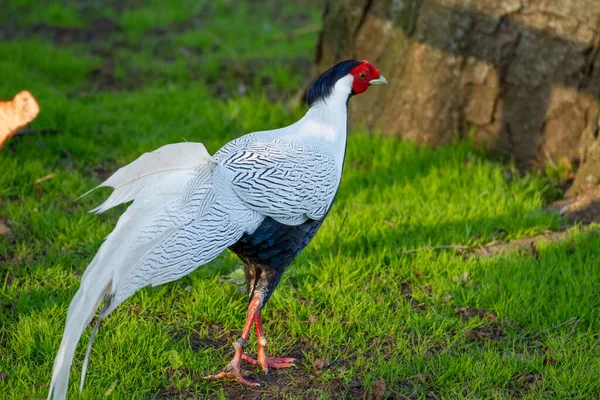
column 263, row 196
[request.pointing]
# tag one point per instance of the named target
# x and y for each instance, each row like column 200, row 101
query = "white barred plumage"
column 188, row 207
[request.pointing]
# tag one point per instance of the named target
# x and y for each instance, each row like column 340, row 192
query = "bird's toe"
column 231, row 376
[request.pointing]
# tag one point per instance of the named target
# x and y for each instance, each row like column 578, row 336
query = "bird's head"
column 343, row 80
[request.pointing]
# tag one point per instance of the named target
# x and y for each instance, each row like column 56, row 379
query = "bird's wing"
column 183, row 215
column 175, row 238
column 289, row 181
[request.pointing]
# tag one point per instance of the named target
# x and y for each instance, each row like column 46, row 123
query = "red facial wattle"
column 363, row 74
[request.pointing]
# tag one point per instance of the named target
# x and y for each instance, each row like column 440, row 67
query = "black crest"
column 323, row 85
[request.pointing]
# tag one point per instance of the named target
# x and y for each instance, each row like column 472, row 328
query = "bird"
column 263, row 196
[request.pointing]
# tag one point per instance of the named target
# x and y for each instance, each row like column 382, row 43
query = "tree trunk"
column 522, row 75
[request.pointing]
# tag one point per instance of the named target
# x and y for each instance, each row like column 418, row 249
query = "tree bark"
column 520, row 76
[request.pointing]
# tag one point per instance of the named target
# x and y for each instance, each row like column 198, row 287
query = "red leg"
column 232, row 371
column 262, row 358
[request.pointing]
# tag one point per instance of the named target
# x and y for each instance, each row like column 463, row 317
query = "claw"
column 271, row 362
column 230, row 373
column 281, row 362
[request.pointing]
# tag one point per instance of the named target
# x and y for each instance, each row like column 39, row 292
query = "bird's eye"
column 362, row 75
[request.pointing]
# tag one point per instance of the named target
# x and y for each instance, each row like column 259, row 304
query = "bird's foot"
column 270, row 362
column 232, row 372
column 262, row 359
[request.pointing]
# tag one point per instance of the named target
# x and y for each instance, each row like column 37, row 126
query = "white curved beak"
column 379, row 81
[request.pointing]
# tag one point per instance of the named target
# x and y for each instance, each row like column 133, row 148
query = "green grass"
column 156, row 14
column 431, row 323
column 54, row 13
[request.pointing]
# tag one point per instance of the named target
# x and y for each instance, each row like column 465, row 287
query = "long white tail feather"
column 184, row 214
column 81, row 310
column 86, row 359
